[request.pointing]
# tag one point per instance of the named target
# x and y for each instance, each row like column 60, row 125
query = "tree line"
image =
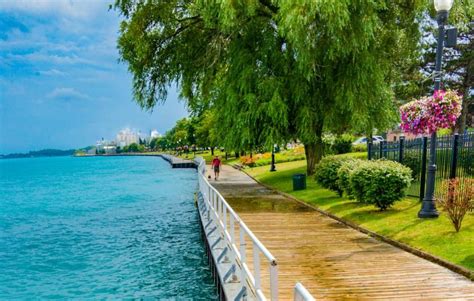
column 262, row 72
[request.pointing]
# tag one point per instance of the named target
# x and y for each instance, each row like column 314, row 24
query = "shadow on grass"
column 468, row 261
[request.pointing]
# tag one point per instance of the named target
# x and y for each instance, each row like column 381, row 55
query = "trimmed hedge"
column 326, row 172
column 380, row 182
column 343, row 176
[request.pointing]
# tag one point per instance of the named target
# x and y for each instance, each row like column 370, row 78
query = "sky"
column 61, row 84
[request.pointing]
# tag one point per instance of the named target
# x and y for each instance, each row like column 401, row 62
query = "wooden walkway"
column 333, row 261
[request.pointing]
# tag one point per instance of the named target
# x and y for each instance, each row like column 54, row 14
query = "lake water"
column 100, row 228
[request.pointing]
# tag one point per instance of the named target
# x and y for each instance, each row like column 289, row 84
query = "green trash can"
column 299, row 181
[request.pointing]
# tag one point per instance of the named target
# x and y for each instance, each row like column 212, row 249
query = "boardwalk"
column 177, row 162
column 332, row 260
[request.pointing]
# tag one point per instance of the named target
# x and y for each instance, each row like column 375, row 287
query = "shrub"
column 343, row 144
column 457, row 199
column 379, row 182
column 413, row 161
column 343, row 175
column 326, row 173
column 359, row 148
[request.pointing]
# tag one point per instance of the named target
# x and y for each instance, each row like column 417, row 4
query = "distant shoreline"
column 40, row 153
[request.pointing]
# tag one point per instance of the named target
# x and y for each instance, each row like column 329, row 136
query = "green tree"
column 154, row 143
column 272, row 70
column 180, row 132
column 133, row 147
column 206, row 130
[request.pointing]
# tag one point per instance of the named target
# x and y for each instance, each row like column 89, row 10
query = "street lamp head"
column 443, row 5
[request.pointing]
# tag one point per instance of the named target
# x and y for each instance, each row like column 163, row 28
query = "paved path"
column 333, row 261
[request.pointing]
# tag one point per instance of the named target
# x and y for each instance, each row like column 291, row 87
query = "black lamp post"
column 272, row 167
column 428, row 207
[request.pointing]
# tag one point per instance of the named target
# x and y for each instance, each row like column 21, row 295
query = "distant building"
column 154, row 134
column 106, row 147
column 126, row 137
column 395, row 134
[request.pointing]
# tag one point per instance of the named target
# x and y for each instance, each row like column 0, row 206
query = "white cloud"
column 67, row 94
column 67, row 8
column 53, row 72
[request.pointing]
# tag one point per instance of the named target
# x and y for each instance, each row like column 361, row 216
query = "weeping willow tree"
column 272, row 70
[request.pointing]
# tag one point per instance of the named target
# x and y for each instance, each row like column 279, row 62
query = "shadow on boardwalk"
column 332, row 260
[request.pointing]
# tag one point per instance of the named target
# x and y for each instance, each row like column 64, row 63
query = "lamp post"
column 272, row 167
column 428, row 206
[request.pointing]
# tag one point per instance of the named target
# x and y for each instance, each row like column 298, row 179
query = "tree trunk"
column 212, row 151
column 314, row 153
column 310, row 152
column 314, row 149
column 236, row 155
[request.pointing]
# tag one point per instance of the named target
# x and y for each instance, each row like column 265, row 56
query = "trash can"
column 299, row 181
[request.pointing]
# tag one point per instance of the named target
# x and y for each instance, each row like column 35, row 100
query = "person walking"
column 216, row 166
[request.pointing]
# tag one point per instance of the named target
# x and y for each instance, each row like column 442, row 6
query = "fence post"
column 369, row 150
column 380, row 149
column 454, row 158
column 423, row 168
column 400, row 149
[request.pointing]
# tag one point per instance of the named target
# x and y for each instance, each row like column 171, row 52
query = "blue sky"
column 61, row 85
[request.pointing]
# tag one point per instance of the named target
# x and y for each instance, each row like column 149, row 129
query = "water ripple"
column 100, row 228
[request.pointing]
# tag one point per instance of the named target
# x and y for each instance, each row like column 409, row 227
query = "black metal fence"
column 454, row 158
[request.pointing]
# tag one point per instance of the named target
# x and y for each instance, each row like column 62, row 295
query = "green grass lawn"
column 436, row 236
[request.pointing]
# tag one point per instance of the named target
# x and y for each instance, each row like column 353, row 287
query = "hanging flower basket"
column 429, row 114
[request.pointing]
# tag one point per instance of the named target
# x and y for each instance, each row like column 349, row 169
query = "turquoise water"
column 100, row 228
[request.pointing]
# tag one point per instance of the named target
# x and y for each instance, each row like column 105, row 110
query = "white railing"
column 302, row 294
column 226, row 219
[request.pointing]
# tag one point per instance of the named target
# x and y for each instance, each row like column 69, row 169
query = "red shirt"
column 216, row 162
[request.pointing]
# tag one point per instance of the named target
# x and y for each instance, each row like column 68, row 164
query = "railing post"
column 256, row 266
column 217, row 206
column 243, row 256
column 380, row 149
column 209, row 194
column 454, row 158
column 423, row 168
column 222, row 208
column 224, row 216
column 232, row 228
column 242, row 244
column 274, row 281
column 216, row 203
column 401, row 149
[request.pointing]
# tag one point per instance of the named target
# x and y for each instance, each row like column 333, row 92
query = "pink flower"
column 428, row 114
